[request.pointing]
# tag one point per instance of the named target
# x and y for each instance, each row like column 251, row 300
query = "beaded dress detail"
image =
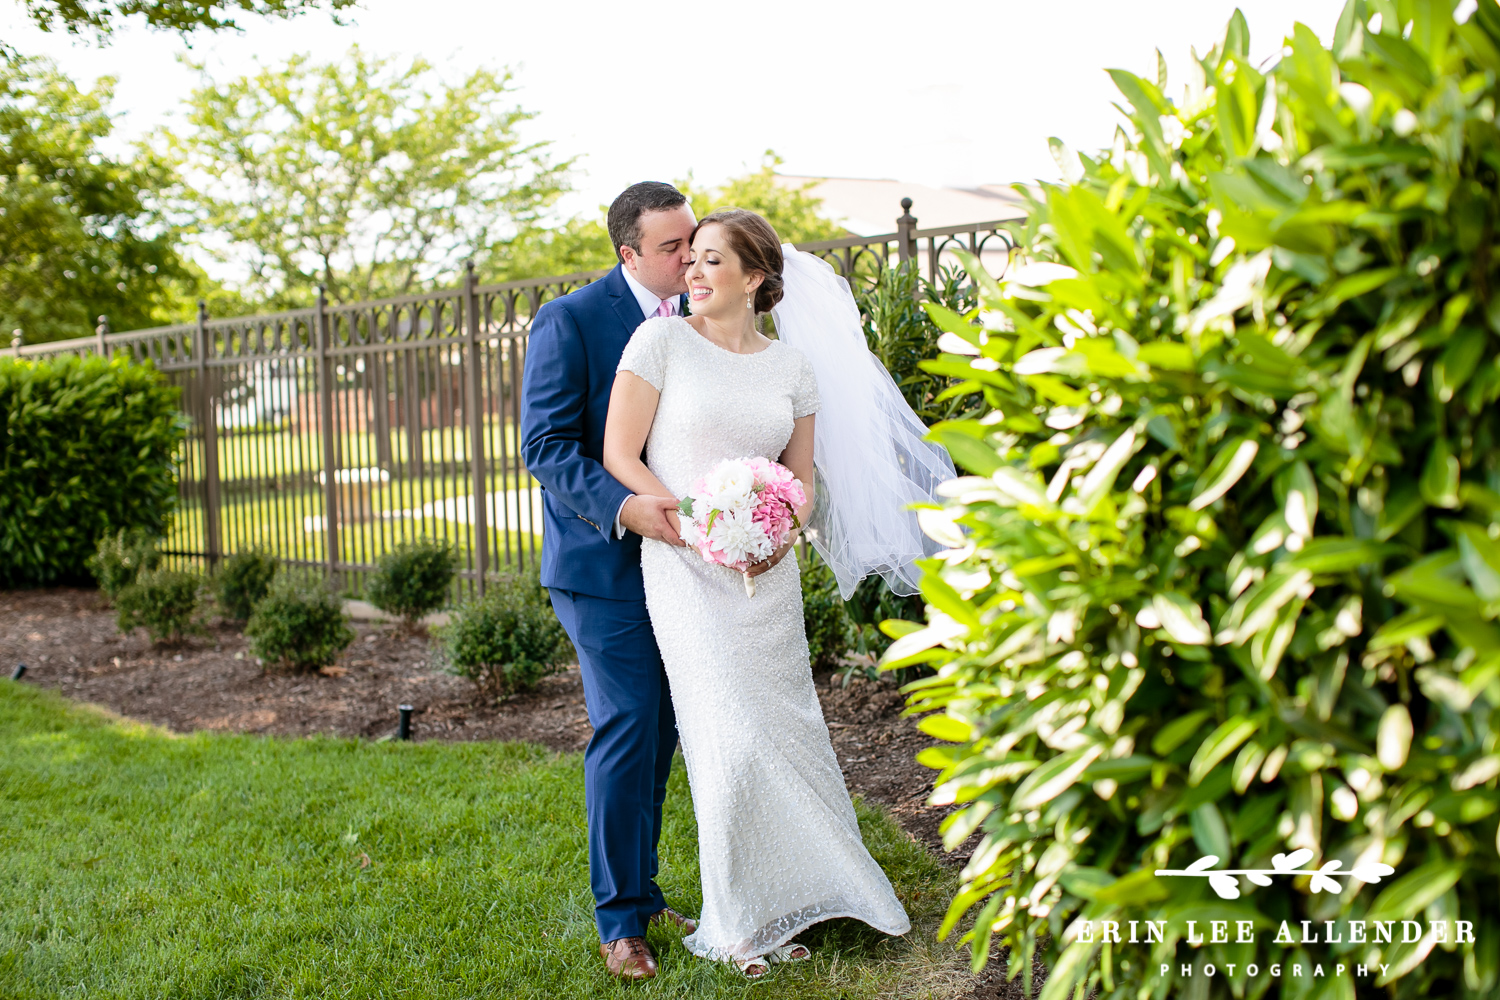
column 779, row 847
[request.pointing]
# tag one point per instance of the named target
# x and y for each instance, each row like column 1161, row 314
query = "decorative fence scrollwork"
column 330, row 434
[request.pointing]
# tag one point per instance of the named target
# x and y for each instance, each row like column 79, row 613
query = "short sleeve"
column 805, row 399
column 646, row 354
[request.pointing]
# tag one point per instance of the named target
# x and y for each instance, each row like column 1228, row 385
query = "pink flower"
column 749, row 533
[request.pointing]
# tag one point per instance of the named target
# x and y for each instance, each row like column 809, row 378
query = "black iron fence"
column 331, row 434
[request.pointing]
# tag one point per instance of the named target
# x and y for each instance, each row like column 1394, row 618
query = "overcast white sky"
column 944, row 92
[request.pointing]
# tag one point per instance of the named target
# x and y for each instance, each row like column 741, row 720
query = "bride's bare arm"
column 798, row 457
column 632, row 407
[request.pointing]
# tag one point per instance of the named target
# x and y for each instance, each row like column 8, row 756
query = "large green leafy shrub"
column 89, row 447
column 1224, row 581
column 508, row 639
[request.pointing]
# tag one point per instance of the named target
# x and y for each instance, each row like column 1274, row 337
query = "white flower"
column 739, row 538
column 729, row 487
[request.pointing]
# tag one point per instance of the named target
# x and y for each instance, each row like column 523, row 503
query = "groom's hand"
column 652, row 517
column 768, row 564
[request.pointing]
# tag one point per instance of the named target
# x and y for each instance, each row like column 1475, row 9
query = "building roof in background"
column 868, row 207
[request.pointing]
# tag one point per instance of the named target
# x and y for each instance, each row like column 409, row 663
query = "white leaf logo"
column 1227, row 886
column 1322, row 883
column 1372, row 872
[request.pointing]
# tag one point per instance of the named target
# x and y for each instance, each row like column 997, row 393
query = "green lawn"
column 138, row 863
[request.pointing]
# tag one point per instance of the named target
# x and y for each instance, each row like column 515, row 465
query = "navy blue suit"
column 595, row 581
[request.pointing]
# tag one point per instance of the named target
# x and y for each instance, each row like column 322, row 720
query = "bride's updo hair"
column 757, row 246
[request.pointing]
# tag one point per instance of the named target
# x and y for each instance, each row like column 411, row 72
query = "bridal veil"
column 869, row 453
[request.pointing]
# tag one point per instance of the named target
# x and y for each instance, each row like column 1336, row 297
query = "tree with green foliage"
column 583, row 244
column 362, row 176
column 579, row 244
column 79, row 17
column 78, row 234
column 1224, row 584
column 792, row 211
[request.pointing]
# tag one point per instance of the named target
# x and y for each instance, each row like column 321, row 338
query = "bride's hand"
column 768, row 564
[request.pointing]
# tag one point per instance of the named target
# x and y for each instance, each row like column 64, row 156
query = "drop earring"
column 749, row 302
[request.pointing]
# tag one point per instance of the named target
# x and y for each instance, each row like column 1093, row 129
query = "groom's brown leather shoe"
column 629, row 958
column 667, row 915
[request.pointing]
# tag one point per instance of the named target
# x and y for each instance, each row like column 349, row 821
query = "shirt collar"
column 649, row 300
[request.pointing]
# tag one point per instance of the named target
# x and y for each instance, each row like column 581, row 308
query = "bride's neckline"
column 718, row 347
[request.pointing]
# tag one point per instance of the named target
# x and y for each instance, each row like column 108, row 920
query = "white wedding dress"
column 779, row 848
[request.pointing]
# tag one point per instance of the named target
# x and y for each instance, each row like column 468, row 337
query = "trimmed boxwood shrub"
column 413, row 579
column 120, row 557
column 242, row 580
column 87, row 447
column 164, row 602
column 1225, row 580
column 298, row 627
column 508, row 639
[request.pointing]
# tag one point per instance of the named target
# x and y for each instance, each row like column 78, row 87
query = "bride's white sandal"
column 747, row 966
column 790, row 953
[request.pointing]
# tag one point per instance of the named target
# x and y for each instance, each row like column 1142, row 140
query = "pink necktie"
column 665, row 309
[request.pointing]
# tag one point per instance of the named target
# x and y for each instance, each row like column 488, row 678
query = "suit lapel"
column 625, row 305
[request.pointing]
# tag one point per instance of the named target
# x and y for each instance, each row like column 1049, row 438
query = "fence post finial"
column 15, row 342
column 906, row 225
column 100, row 332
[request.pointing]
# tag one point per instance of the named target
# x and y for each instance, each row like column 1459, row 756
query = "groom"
column 591, row 558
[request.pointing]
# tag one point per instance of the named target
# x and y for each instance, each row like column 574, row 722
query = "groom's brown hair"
column 624, row 219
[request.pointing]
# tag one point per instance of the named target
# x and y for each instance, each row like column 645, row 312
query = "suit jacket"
column 575, row 343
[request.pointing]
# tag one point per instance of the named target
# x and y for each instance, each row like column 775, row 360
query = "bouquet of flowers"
column 741, row 512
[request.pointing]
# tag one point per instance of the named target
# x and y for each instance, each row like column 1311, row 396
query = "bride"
column 779, row 846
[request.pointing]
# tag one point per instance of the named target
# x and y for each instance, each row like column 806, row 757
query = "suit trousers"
column 629, row 758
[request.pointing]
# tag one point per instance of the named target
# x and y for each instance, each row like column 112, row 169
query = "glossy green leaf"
column 1222, row 742
column 1086, row 882
column 1480, row 556
column 1415, row 891
column 1339, row 555
column 1167, row 356
column 1232, row 462
column 1053, row 778
column 945, row 727
column 1135, row 888
column 1177, row 731
column 1439, row 482
column 972, row 454
column 1414, row 624
column 1210, row 832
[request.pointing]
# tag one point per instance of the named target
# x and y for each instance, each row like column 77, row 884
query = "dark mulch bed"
column 69, row 642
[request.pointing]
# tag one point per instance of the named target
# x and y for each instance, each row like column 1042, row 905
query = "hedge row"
column 90, row 447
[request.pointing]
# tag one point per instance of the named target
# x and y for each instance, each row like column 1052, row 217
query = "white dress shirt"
column 649, row 302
